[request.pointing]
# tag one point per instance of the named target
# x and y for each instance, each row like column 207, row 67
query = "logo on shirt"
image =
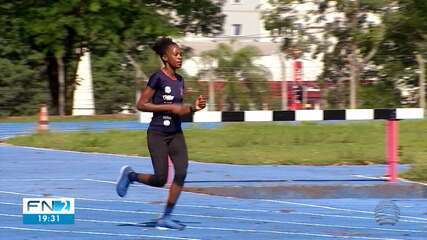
column 166, row 123
column 168, row 97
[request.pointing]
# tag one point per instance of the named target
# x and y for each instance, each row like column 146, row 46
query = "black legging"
column 161, row 145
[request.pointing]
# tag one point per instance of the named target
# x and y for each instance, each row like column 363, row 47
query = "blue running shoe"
column 166, row 223
column 123, row 182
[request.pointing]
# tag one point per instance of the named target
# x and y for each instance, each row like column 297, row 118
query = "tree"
column 344, row 32
column 404, row 49
column 21, row 84
column 58, row 28
column 245, row 81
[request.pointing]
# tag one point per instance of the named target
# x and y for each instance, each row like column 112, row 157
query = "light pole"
column 211, row 97
column 282, row 58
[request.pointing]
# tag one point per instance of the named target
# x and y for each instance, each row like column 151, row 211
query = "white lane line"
column 40, row 179
column 410, row 181
column 21, row 194
column 369, row 177
column 103, row 181
column 87, row 153
column 12, row 204
column 241, row 230
column 10, row 215
column 331, row 208
column 133, row 185
column 220, row 208
column 110, row 182
column 385, row 178
column 94, row 233
column 243, row 219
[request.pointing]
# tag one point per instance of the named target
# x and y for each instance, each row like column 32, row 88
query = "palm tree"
column 245, row 81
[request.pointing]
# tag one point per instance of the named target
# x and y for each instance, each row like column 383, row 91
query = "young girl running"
column 163, row 96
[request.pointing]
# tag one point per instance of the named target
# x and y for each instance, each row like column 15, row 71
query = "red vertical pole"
column 171, row 172
column 392, row 148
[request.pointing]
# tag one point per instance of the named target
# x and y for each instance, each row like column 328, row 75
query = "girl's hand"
column 200, row 103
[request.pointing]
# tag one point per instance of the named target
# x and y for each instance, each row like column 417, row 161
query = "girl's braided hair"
column 162, row 44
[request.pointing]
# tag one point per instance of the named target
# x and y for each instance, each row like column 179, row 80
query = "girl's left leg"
column 179, row 156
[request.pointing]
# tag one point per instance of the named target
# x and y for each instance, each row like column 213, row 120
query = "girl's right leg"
column 158, row 147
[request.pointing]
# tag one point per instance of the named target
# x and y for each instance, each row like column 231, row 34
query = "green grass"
column 413, row 146
column 264, row 143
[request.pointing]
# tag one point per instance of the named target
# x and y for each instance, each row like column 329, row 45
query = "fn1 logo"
column 48, row 210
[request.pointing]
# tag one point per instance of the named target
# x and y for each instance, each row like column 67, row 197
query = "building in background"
column 244, row 25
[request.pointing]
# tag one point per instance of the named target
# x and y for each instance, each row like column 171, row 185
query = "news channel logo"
column 48, row 210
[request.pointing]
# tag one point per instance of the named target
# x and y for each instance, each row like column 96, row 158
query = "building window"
column 237, row 29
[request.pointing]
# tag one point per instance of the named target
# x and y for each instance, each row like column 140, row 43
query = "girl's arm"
column 145, row 105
